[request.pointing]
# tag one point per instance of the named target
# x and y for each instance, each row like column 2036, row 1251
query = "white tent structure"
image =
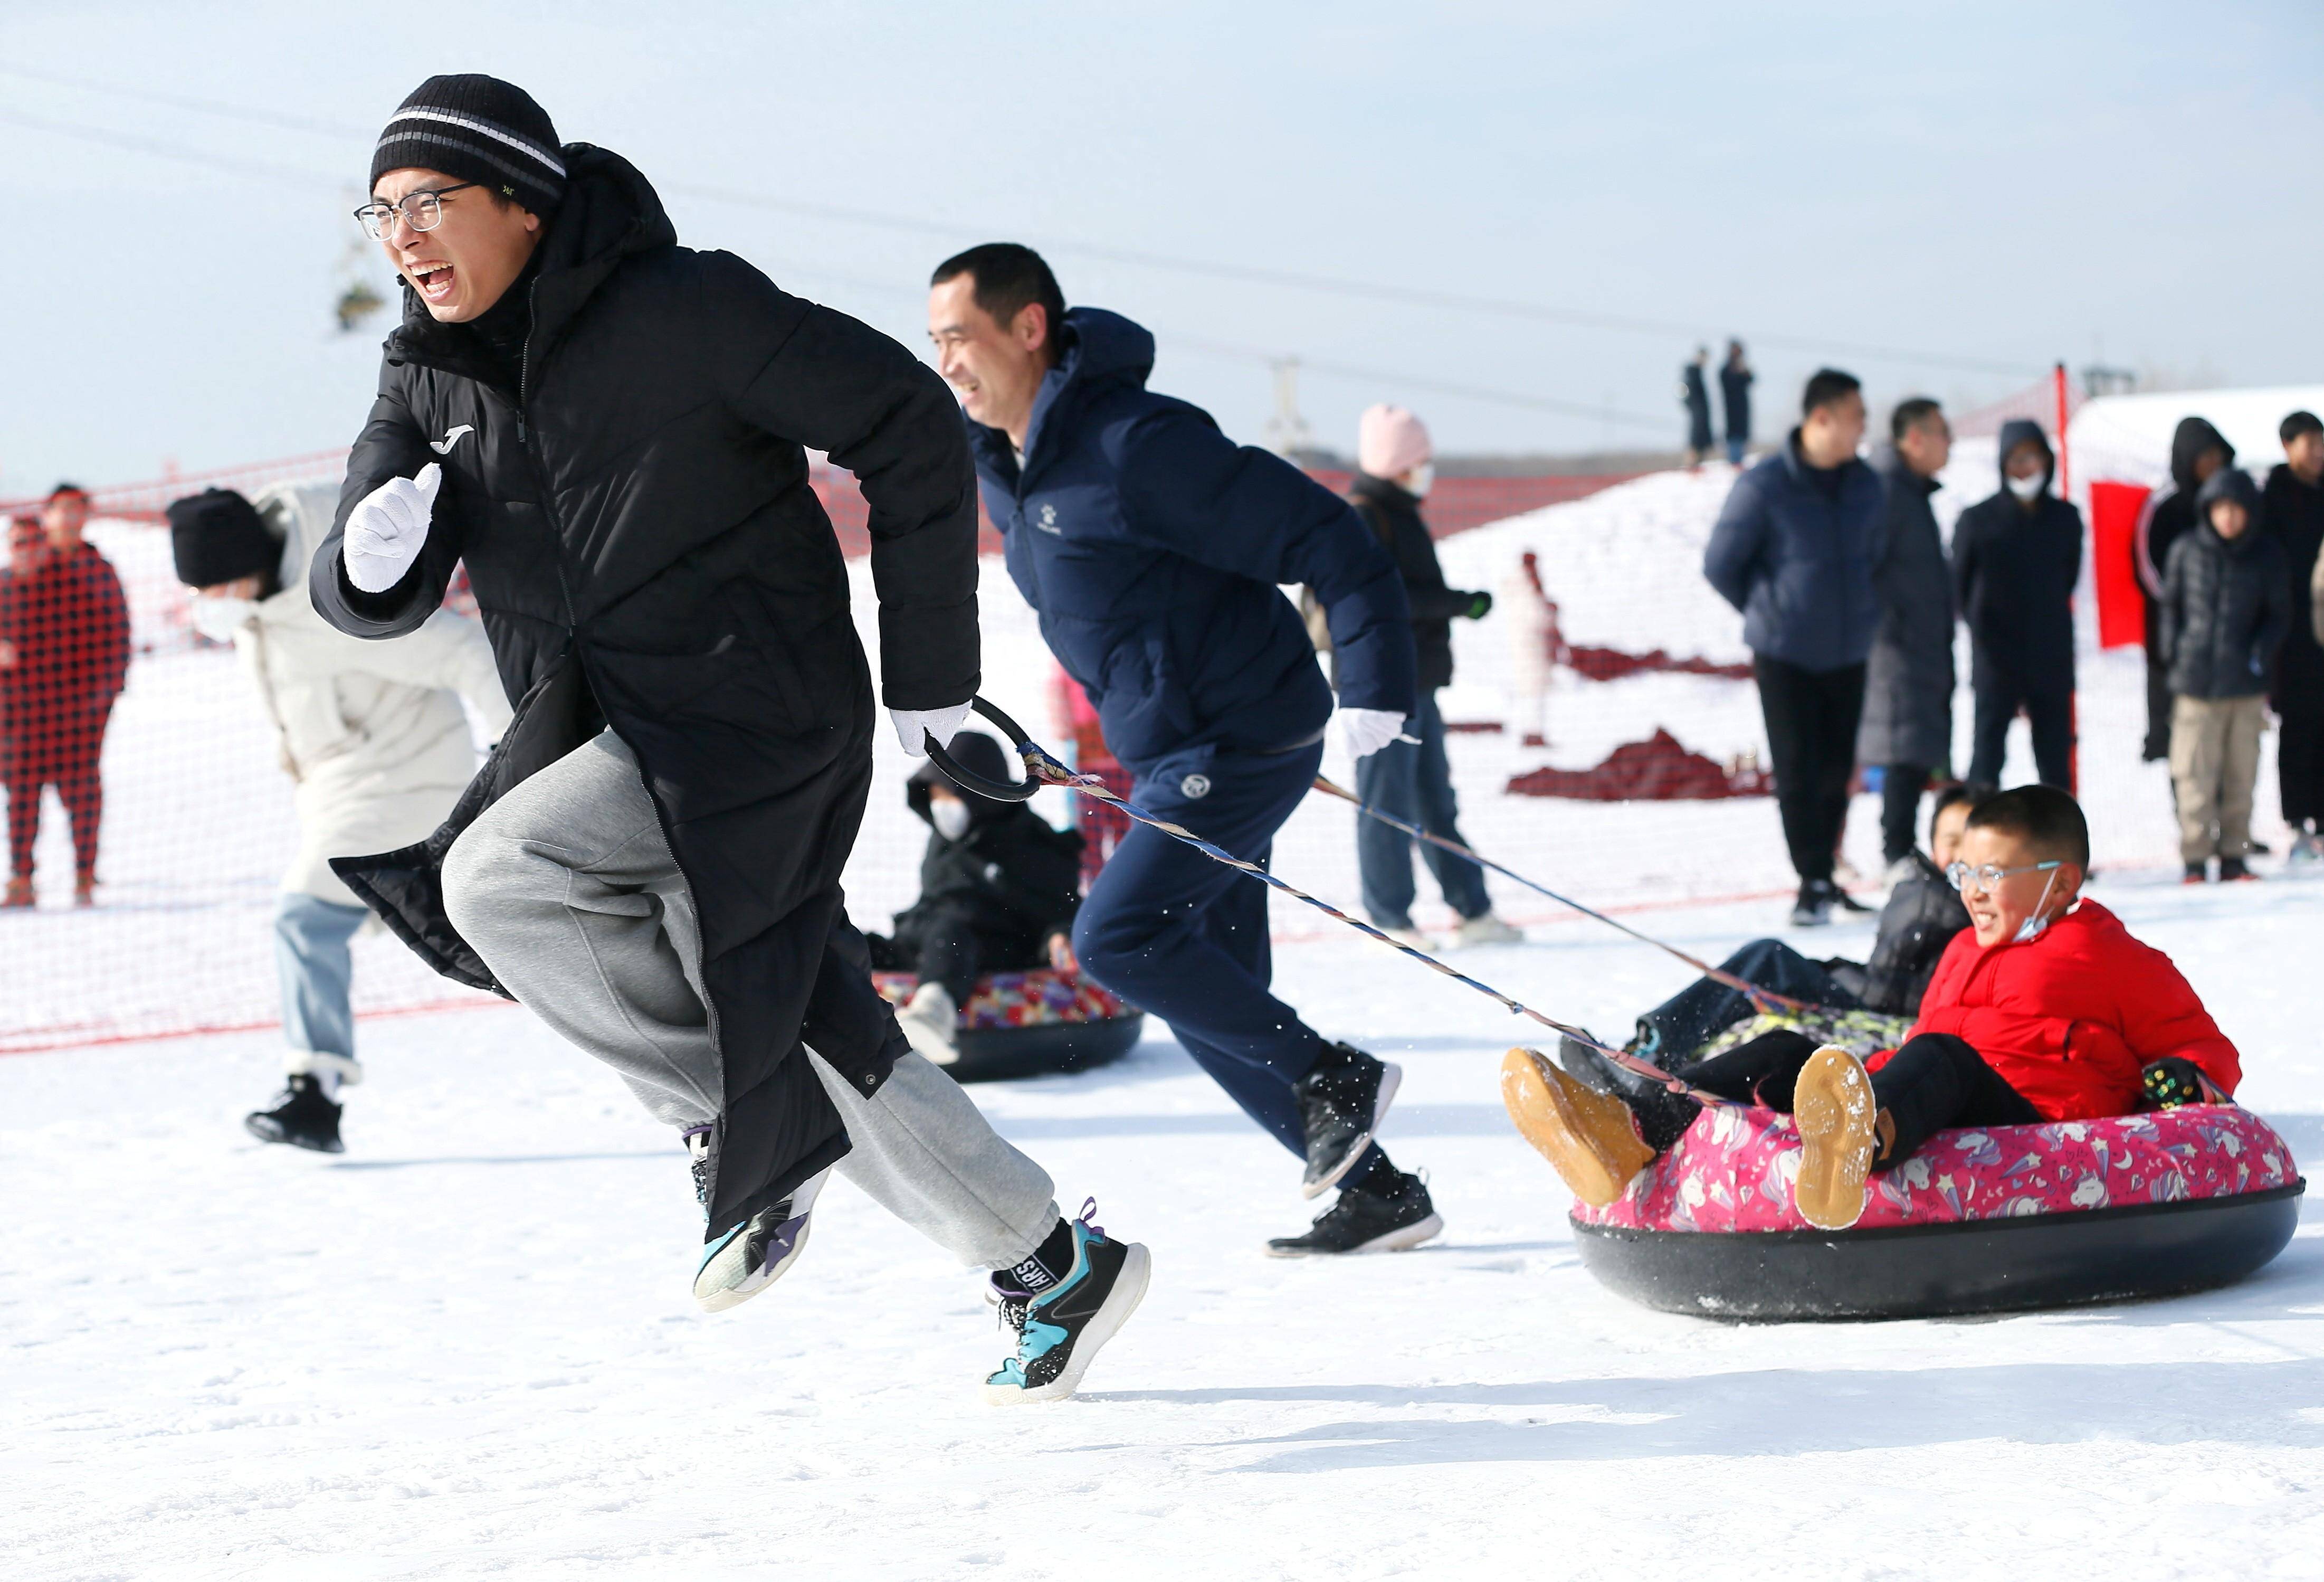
column 2126, row 438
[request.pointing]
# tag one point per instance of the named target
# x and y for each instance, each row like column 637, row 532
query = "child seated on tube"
column 2044, row 1008
column 999, row 889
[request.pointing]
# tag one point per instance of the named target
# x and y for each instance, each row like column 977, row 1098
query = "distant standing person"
column 1411, row 779
column 1795, row 551
column 1735, row 376
column 2225, row 609
column 1908, row 678
column 2293, row 514
column 2016, row 557
column 1695, row 394
column 2197, row 451
column 71, row 652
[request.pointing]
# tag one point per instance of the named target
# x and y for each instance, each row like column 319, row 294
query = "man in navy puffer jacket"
column 1152, row 547
column 1795, row 549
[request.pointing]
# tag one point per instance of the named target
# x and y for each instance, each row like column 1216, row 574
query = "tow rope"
column 1043, row 769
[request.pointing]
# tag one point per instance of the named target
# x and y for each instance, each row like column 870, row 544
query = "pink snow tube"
column 1977, row 1220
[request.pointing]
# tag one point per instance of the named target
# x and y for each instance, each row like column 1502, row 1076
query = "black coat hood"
column 2016, row 431
column 2188, row 440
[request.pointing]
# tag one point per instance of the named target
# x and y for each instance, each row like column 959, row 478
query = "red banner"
column 2114, row 530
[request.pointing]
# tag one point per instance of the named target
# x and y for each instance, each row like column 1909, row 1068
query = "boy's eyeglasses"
column 422, row 211
column 1961, row 876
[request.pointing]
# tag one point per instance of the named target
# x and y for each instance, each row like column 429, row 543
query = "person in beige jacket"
column 373, row 734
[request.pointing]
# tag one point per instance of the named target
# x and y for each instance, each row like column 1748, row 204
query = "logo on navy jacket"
column 1047, row 521
column 1195, row 787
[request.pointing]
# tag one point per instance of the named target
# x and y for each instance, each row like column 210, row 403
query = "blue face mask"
column 2032, row 927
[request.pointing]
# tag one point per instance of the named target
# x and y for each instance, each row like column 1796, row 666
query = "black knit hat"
column 216, row 536
column 479, row 129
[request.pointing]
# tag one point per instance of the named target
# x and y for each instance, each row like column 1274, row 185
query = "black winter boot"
column 1663, row 1116
column 302, row 1117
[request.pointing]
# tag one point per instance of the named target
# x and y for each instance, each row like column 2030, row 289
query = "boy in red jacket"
column 2043, row 1009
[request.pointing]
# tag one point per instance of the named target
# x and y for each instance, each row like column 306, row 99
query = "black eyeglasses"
column 422, row 211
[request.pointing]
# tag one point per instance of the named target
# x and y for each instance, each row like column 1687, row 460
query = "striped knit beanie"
column 479, row 129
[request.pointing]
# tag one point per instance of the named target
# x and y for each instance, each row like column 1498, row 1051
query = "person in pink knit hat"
column 1412, row 779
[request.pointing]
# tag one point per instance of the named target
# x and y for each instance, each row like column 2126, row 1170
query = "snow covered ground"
column 465, row 1349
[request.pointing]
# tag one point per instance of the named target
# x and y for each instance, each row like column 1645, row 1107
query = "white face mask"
column 2027, row 488
column 950, row 818
column 220, row 618
column 2032, row 927
column 1418, row 482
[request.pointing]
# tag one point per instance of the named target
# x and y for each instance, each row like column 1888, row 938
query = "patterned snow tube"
column 1032, row 1023
column 1993, row 1220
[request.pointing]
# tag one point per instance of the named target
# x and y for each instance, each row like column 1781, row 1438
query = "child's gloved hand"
column 2171, row 1082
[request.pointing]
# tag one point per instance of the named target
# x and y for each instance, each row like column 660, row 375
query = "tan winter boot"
column 1841, row 1134
column 1587, row 1138
column 20, row 893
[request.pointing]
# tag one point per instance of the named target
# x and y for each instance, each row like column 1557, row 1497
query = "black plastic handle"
column 998, row 790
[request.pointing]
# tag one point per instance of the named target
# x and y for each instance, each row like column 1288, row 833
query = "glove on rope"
column 914, row 726
column 1368, row 730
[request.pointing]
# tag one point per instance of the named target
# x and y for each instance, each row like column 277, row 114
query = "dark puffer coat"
column 2293, row 514
column 1014, row 876
column 2225, row 604
column 645, row 550
column 1394, row 517
column 1152, row 547
column 1695, row 396
column 1794, row 551
column 1908, row 676
column 2014, row 567
column 1923, row 913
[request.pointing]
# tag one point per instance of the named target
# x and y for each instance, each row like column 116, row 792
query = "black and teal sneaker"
column 754, row 1254
column 1059, row 1330
column 304, row 1116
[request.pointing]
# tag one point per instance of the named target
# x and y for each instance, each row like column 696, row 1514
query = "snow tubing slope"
column 1031, row 1023
column 1991, row 1221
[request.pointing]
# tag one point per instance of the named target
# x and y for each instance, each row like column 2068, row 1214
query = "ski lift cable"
column 1459, row 301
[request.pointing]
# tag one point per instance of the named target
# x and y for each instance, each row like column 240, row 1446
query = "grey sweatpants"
column 567, row 888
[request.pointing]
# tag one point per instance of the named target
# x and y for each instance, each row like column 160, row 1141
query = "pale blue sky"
column 1994, row 183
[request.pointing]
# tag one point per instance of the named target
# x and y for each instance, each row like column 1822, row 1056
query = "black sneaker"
column 1341, row 1102
column 1387, row 1217
column 302, row 1117
column 1812, row 910
column 1844, row 900
column 1060, row 1330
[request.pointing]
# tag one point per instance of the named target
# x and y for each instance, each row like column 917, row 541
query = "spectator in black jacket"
column 1908, row 680
column 999, row 888
column 1923, row 913
column 1795, row 549
column 1735, row 378
column 2197, row 451
column 1695, row 394
column 2016, row 557
column 2292, row 513
column 1413, row 780
column 2225, row 609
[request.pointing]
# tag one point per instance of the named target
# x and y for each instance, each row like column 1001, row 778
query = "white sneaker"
column 1488, row 930
column 931, row 1022
column 1897, row 872
column 2306, row 854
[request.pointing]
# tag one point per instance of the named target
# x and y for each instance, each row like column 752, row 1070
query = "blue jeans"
column 310, row 957
column 1182, row 935
column 1734, row 445
column 1673, row 1030
column 1416, row 785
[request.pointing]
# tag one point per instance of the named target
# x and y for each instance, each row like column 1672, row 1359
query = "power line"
column 158, row 150
column 1458, row 302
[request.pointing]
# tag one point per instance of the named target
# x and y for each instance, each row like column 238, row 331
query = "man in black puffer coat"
column 2224, row 611
column 1908, row 678
column 999, row 888
column 2197, row 450
column 2016, row 556
column 2292, row 513
column 608, row 429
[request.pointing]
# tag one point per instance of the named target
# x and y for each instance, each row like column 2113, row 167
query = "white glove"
column 1368, row 730
column 914, row 724
column 385, row 530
